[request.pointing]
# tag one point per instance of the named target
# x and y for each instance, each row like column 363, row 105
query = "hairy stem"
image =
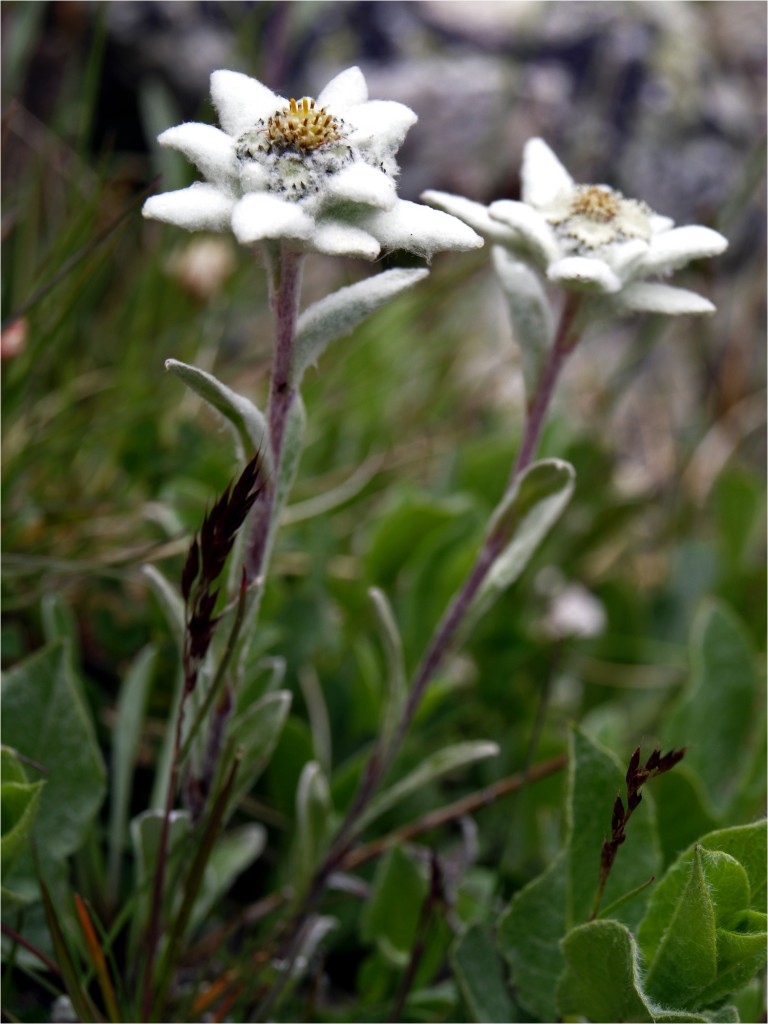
column 565, row 340
column 285, row 284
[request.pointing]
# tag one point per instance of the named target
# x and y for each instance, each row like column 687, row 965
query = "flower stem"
column 565, row 340
column 285, row 285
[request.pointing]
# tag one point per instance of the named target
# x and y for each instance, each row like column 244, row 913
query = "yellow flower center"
column 303, row 125
column 596, row 203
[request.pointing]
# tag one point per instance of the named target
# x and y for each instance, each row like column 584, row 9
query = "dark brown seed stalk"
column 636, row 777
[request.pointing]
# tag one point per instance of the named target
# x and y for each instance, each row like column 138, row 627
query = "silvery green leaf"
column 126, row 738
column 529, row 311
column 314, row 813
column 248, row 422
column 526, row 514
column 393, row 653
column 256, row 731
column 170, row 601
column 432, row 767
column 146, row 832
column 232, row 853
column 337, row 314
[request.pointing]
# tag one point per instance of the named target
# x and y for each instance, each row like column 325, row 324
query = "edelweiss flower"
column 590, row 237
column 319, row 173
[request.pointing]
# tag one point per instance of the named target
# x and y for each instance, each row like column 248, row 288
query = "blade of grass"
column 97, row 958
column 81, row 1001
column 31, row 948
column 72, row 262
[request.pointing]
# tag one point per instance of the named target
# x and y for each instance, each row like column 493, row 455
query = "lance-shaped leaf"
column 393, row 653
column 169, row 599
column 529, row 311
column 232, row 853
column 146, row 832
column 525, row 516
column 685, row 960
column 248, row 423
column 339, row 313
column 125, row 745
column 314, row 813
column 432, row 767
column 702, row 916
column 255, row 731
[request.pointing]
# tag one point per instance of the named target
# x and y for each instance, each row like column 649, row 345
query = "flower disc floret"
column 301, row 125
column 319, row 174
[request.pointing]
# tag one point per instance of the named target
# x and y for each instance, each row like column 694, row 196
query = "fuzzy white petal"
column 625, row 257
column 533, row 234
column 335, row 238
column 258, row 216
column 383, row 121
column 472, row 213
column 542, row 177
column 361, row 183
column 211, row 150
column 420, row 230
column 675, row 248
column 585, row 273
column 201, row 207
column 241, row 101
column 659, row 223
column 648, row 297
column 345, row 90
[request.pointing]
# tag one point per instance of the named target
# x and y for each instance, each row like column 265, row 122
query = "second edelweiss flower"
column 319, row 173
column 590, row 237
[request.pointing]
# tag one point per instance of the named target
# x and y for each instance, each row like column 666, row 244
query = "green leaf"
column 715, row 716
column 126, row 737
column 256, row 731
column 170, row 600
column 232, row 854
column 393, row 909
column 401, row 528
column 433, row 766
column 529, row 937
column 146, row 832
column 526, row 515
column 248, row 423
column 19, row 802
column 601, row 981
column 746, row 844
column 45, row 719
column 682, row 809
column 738, row 933
column 480, row 976
column 685, row 959
column 740, row 955
column 338, row 314
column 314, row 814
column 392, row 643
